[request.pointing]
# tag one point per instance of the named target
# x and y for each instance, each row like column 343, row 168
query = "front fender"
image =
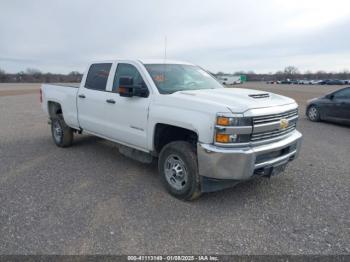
column 201, row 123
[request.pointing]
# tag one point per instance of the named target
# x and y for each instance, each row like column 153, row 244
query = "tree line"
column 32, row 75
column 293, row 73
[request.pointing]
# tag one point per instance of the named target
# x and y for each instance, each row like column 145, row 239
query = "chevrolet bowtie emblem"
column 284, row 123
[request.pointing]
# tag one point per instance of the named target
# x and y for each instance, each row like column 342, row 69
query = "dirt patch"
column 18, row 92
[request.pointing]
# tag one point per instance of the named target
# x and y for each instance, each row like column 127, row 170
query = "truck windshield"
column 170, row 78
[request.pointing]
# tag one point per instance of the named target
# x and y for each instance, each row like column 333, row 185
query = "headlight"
column 226, row 121
column 232, row 129
column 233, row 121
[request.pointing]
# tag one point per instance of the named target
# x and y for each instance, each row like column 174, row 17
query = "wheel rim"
column 313, row 113
column 175, row 172
column 57, row 131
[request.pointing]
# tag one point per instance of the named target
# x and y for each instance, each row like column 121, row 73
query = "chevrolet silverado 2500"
column 205, row 137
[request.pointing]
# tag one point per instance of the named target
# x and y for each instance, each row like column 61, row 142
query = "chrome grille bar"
column 272, row 134
column 274, row 117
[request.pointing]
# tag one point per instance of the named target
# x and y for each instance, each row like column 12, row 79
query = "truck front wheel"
column 62, row 134
column 178, row 168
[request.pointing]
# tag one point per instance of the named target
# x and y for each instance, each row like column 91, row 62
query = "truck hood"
column 237, row 100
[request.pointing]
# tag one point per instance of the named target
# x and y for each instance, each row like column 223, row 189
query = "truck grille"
column 272, row 134
column 275, row 132
column 274, row 118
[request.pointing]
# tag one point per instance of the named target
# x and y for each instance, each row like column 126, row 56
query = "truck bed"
column 74, row 85
column 66, row 96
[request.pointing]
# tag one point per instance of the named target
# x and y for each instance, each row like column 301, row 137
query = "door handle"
column 81, row 96
column 111, row 101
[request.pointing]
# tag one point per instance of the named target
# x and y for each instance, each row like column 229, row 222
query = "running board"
column 135, row 154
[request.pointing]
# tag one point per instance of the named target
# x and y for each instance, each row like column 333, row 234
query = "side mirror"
column 330, row 97
column 125, row 87
column 128, row 89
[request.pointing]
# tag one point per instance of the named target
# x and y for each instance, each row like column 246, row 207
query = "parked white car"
column 304, row 82
column 205, row 137
column 229, row 80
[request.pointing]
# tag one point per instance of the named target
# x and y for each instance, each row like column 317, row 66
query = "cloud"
column 62, row 36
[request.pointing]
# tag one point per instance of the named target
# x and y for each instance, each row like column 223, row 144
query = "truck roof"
column 163, row 61
column 146, row 61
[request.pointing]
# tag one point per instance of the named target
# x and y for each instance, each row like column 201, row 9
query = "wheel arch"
column 165, row 133
column 54, row 109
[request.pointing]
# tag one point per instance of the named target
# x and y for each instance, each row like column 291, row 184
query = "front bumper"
column 244, row 162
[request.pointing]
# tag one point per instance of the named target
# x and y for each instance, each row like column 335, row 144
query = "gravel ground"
column 89, row 199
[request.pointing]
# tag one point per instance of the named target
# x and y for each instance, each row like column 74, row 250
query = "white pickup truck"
column 205, row 137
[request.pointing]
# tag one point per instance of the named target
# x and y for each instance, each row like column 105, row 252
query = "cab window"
column 127, row 70
column 97, row 76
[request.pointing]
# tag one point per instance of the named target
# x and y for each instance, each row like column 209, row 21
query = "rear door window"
column 97, row 76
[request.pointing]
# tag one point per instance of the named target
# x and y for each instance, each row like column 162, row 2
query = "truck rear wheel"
column 178, row 168
column 62, row 134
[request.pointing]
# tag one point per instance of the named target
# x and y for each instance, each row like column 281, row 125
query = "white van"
column 229, row 80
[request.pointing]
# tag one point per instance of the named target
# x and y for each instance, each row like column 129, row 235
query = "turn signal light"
column 223, row 121
column 223, row 138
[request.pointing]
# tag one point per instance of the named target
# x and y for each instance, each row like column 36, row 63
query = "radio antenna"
column 164, row 61
column 165, row 46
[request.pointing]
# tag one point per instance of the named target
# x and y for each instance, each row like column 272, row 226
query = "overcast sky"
column 222, row 35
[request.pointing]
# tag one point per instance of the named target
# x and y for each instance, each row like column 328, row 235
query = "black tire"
column 63, row 138
column 186, row 157
column 313, row 113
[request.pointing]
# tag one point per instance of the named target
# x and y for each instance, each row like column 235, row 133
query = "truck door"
column 91, row 100
column 127, row 116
